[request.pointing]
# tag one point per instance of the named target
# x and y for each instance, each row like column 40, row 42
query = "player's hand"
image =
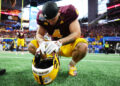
column 41, row 47
column 53, row 46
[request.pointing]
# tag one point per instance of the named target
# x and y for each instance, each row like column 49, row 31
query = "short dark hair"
column 50, row 10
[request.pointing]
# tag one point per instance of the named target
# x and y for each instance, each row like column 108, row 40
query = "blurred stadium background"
column 100, row 23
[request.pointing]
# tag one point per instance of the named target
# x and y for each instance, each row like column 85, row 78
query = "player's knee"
column 79, row 52
column 82, row 48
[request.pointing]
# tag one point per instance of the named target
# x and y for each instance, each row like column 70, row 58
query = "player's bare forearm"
column 39, row 34
column 75, row 31
column 69, row 39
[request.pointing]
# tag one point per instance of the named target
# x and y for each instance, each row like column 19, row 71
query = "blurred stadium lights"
column 102, row 21
column 114, row 6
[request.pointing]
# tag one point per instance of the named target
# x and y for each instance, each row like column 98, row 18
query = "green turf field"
column 93, row 70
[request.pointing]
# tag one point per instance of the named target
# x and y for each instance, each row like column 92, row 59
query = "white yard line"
column 62, row 59
column 18, row 55
column 91, row 60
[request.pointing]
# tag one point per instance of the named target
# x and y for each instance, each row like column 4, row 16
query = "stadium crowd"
column 101, row 30
column 94, row 35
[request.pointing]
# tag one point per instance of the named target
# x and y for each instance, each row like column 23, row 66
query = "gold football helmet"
column 46, row 70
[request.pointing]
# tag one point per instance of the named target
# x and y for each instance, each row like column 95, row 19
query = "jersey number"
column 56, row 33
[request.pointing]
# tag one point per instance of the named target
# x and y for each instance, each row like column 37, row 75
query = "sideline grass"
column 93, row 70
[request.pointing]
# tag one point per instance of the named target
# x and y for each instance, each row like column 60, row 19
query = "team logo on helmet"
column 45, row 15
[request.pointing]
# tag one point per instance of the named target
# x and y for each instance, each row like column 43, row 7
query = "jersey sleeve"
column 71, row 14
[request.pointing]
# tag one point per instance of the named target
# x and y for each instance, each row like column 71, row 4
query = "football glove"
column 53, row 46
column 41, row 47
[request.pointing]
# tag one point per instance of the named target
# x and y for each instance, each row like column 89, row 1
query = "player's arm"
column 75, row 31
column 40, row 38
column 40, row 34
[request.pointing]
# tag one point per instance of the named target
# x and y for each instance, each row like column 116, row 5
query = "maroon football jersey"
column 19, row 35
column 61, row 29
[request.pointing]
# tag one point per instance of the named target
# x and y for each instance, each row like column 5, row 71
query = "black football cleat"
column 2, row 71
